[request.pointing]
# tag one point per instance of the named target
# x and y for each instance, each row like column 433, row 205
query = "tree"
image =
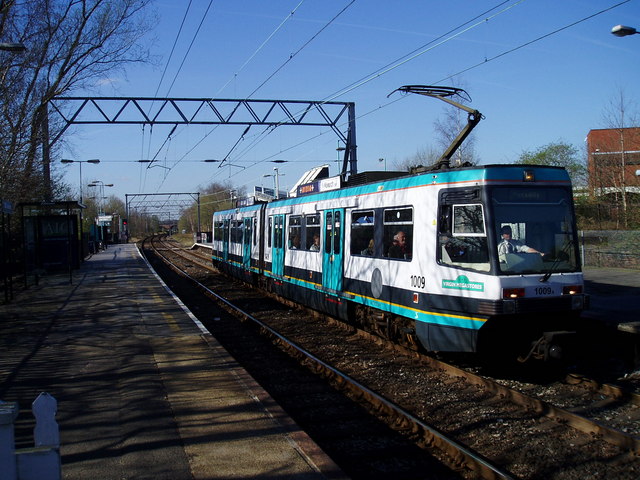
column 619, row 115
column 448, row 128
column 559, row 154
column 424, row 156
column 70, row 45
column 215, row 197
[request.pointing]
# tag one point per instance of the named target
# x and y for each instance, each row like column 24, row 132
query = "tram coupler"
column 552, row 346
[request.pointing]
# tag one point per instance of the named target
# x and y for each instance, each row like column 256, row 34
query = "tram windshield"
column 534, row 230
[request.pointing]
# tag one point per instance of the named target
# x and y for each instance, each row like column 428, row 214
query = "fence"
column 42, row 462
column 610, row 248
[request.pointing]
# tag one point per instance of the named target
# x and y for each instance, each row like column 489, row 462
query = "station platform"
column 614, row 294
column 143, row 392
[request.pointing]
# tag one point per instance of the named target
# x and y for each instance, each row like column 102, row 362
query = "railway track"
column 525, row 436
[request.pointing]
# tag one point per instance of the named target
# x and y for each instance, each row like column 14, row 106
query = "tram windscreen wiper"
column 556, row 262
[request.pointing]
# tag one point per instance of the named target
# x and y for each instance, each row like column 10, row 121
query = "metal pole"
column 199, row 212
column 80, row 162
column 277, row 183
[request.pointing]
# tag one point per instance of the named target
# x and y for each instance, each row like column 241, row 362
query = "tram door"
column 333, row 249
column 277, row 246
column 225, row 240
column 246, row 244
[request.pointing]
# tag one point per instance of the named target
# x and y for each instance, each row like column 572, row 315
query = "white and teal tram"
column 419, row 258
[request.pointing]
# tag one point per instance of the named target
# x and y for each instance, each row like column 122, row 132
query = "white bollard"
column 42, row 462
column 46, row 432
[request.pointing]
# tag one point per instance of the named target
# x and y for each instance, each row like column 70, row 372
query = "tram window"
column 225, row 232
column 362, row 229
column 328, row 234
column 278, row 232
column 236, row 231
column 462, row 240
column 398, row 233
column 270, row 231
column 468, row 220
column 337, row 247
column 295, row 232
column 312, row 232
column 217, row 231
column 255, row 231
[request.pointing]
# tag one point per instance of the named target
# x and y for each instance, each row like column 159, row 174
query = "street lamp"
column 93, row 160
column 383, row 160
column 623, row 31
column 100, row 183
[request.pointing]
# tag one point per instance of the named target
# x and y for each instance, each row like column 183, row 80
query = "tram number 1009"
column 544, row 291
column 418, row 281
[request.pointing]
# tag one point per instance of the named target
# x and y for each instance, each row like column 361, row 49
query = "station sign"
column 322, row 185
column 104, row 220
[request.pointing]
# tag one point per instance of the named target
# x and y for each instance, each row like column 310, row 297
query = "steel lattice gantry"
column 211, row 111
column 162, row 205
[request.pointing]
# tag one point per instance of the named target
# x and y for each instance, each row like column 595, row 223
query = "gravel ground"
column 526, row 443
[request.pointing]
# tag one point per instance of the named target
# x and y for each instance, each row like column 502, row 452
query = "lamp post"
column 100, row 183
column 383, row 160
column 339, row 151
column 276, row 180
column 623, row 31
column 80, row 162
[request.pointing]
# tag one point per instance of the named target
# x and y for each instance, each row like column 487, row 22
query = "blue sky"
column 554, row 89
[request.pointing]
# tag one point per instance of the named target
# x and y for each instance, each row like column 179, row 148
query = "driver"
column 509, row 245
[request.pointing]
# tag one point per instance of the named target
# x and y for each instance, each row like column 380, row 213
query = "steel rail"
column 460, row 455
column 575, row 420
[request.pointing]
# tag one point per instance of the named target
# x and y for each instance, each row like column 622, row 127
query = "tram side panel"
column 407, row 280
column 295, row 255
column 419, row 248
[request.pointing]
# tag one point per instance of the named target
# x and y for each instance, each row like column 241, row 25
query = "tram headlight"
column 512, row 293
column 528, row 176
column 571, row 289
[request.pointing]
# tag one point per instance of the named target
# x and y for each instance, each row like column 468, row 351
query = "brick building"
column 614, row 158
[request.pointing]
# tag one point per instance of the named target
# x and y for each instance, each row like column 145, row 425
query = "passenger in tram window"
column 369, row 250
column 399, row 247
column 315, row 246
column 295, row 243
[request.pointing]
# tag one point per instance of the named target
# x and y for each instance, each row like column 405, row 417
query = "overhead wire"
column 166, row 67
column 293, row 55
column 262, row 45
column 542, row 37
column 175, row 42
column 314, row 36
column 267, row 130
column 288, row 17
column 414, row 53
column 184, row 58
column 195, row 35
column 438, row 41
column 484, row 62
column 418, row 52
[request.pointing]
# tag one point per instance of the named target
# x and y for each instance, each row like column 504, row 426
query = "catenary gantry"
column 338, row 116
